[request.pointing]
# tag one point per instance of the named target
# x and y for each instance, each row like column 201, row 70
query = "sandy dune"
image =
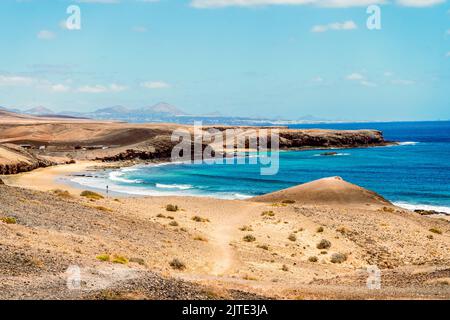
column 329, row 191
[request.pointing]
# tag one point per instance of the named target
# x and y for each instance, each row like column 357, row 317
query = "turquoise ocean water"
column 414, row 174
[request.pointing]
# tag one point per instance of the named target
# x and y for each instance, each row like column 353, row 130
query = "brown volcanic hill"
column 326, row 191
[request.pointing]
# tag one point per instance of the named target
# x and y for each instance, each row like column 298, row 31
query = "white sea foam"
column 174, row 186
column 408, row 143
column 117, row 176
column 332, row 155
column 411, row 206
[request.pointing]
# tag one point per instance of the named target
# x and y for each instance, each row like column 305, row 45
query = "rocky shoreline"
column 118, row 142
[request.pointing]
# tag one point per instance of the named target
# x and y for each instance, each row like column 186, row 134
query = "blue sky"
column 271, row 58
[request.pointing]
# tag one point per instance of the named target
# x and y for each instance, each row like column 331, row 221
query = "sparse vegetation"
column 160, row 215
column 278, row 205
column 292, row 237
column 388, row 209
column 287, row 201
column 338, row 257
column 199, row 219
column 177, row 264
column 324, row 244
column 249, row 238
column 172, row 208
column 268, row 214
column 249, row 277
column 103, row 257
column 138, row 261
column 91, row 195
column 200, row 238
column 104, row 209
column 62, row 193
column 119, row 260
column 173, row 223
column 319, row 230
column 246, row 228
column 263, row 246
column 430, row 236
column 8, row 220
column 343, row 230
column 313, row 259
column 285, row 268
column 435, row 230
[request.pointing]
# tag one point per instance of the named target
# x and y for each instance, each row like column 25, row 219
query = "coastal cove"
column 413, row 175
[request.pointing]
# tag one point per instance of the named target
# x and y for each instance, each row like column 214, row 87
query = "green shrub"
column 91, row 195
column 313, row 259
column 62, row 193
column 249, row 238
column 268, row 214
column 292, row 237
column 434, row 230
column 177, row 264
column 138, row 261
column 319, row 229
column 263, row 246
column 324, row 244
column 8, row 220
column 338, row 258
column 119, row 259
column 199, row 219
column 172, row 208
column 246, row 228
column 103, row 257
column 104, row 209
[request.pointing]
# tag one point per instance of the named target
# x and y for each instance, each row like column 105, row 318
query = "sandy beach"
column 46, row 179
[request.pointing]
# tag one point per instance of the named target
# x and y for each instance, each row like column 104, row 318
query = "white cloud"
column 12, row 80
column 403, row 82
column 361, row 79
column 203, row 4
column 59, row 88
column 140, row 29
column 317, row 79
column 117, row 87
column 388, row 74
column 448, row 54
column 419, row 3
column 368, row 83
column 155, row 85
column 346, row 25
column 355, row 76
column 46, row 35
column 99, row 1
column 101, row 88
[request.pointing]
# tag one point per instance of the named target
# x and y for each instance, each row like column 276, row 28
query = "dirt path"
column 222, row 235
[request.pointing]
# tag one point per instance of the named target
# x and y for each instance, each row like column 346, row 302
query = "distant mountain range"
column 162, row 112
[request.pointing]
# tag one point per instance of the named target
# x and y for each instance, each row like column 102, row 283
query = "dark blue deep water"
column 413, row 174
